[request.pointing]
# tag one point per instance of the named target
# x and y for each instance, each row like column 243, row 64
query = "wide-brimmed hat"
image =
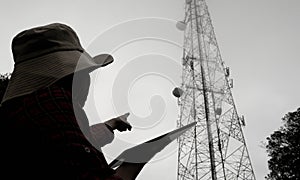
column 45, row 54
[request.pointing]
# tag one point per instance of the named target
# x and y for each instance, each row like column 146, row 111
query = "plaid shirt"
column 43, row 139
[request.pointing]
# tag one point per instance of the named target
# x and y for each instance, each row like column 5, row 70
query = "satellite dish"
column 219, row 111
column 188, row 1
column 181, row 25
column 177, row 92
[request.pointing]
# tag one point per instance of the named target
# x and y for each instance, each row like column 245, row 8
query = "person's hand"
column 120, row 123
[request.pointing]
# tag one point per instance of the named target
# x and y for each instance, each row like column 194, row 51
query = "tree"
column 283, row 148
column 4, row 78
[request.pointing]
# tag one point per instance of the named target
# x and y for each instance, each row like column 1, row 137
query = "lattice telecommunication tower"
column 215, row 148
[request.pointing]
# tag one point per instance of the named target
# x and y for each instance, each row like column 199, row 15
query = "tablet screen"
column 143, row 152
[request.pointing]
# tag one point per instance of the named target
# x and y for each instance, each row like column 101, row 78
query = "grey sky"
column 258, row 39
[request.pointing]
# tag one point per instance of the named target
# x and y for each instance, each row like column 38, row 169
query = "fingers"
column 128, row 126
column 124, row 117
column 123, row 127
column 124, row 124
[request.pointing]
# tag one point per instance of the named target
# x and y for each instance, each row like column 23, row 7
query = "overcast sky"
column 258, row 39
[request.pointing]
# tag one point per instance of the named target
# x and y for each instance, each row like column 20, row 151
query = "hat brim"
column 103, row 59
column 43, row 71
column 88, row 63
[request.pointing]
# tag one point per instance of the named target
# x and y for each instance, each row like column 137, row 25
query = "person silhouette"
column 45, row 131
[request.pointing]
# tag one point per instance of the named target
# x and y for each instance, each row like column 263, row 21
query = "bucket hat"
column 42, row 55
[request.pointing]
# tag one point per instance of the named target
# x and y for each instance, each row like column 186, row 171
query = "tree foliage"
column 283, row 148
column 4, row 78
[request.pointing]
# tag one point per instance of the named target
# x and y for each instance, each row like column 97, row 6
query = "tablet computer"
column 142, row 153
